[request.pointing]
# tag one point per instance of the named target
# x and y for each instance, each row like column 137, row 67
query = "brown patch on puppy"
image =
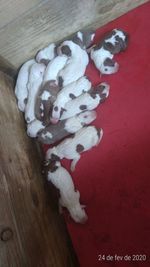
column 98, row 132
column 66, row 50
column 102, row 43
column 77, row 41
column 25, row 101
column 45, row 113
column 56, row 108
column 87, row 35
column 55, row 157
column 62, row 110
column 109, row 62
column 110, row 47
column 44, row 61
column 52, row 167
column 98, row 90
column 72, row 96
column 83, row 107
column 79, row 148
column 60, row 81
column 58, row 132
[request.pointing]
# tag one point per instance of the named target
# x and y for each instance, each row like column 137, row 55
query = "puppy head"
column 116, row 41
column 65, row 49
column 84, row 38
column 102, row 90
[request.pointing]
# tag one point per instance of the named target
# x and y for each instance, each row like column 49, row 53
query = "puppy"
column 72, row 147
column 44, row 101
column 76, row 64
column 70, row 91
column 103, row 53
column 86, row 101
column 34, row 83
column 21, row 90
column 55, row 132
column 69, row 198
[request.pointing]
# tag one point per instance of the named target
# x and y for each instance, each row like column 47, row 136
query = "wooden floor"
column 32, row 234
column 28, row 25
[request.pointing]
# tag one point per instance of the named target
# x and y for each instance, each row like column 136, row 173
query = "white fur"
column 74, row 124
column 45, row 96
column 87, row 137
column 76, row 64
column 76, row 88
column 21, row 90
column 34, row 83
column 69, row 198
column 47, row 53
column 54, row 67
column 80, row 35
column 73, row 106
column 34, row 127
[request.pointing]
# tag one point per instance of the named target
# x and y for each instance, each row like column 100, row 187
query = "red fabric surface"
column 114, row 178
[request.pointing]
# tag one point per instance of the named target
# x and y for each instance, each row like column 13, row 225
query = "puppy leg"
column 74, row 162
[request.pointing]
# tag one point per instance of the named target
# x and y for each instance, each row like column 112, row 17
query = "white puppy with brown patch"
column 71, row 147
column 76, row 64
column 69, row 197
column 86, row 101
column 21, row 90
column 34, row 83
column 103, row 53
column 69, row 92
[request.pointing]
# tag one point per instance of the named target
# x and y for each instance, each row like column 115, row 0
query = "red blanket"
column 114, row 178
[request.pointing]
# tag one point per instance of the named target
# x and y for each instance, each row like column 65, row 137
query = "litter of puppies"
column 58, row 101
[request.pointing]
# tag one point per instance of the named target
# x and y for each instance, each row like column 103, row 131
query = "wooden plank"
column 31, row 231
column 7, row 68
column 11, row 9
column 52, row 21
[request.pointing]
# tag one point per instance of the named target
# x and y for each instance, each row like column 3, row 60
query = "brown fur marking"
column 79, row 148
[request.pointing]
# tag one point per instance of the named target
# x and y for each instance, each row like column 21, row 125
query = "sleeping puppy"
column 86, row 101
column 72, row 147
column 55, row 132
column 76, row 64
column 34, row 83
column 34, row 127
column 67, row 93
column 44, row 101
column 69, row 197
column 103, row 53
column 21, row 90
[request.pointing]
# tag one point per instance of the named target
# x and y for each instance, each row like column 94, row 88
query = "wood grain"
column 32, row 234
column 12, row 9
column 7, row 67
column 52, row 21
